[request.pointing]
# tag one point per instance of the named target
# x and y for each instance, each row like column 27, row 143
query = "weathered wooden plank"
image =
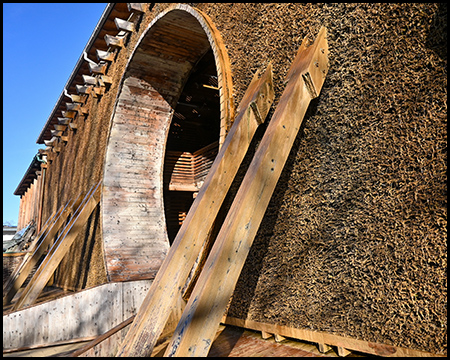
column 19, row 277
column 59, row 248
column 69, row 114
column 167, row 286
column 198, row 324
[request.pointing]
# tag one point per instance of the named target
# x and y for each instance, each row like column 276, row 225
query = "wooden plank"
column 102, row 337
column 17, row 279
column 198, row 324
column 320, row 337
column 185, row 249
column 64, row 120
column 59, row 248
column 73, row 126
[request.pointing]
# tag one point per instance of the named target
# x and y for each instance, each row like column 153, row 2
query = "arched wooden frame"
column 134, row 228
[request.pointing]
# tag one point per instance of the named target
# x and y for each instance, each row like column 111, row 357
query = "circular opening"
column 172, row 108
column 192, row 143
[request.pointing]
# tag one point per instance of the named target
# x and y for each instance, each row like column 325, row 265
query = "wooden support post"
column 171, row 277
column 342, row 351
column 124, row 25
column 204, row 310
column 114, row 41
column 59, row 248
column 323, row 348
column 18, row 278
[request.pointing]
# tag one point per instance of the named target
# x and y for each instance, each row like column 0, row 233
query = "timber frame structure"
column 197, row 204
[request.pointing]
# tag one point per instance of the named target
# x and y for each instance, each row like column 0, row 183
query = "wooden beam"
column 320, row 337
column 114, row 41
column 60, row 127
column 73, row 126
column 64, row 121
column 78, row 98
column 18, row 278
column 124, row 25
column 102, row 337
column 89, row 80
column 69, row 114
column 98, row 68
column 136, row 7
column 105, row 55
column 174, row 271
column 83, row 89
column 59, row 248
column 198, row 324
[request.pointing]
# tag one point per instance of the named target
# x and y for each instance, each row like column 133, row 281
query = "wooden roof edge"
column 98, row 28
column 29, row 174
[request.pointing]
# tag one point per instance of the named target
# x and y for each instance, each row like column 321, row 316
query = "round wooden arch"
column 134, row 228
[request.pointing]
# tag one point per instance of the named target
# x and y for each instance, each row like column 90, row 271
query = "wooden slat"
column 59, row 248
column 172, row 275
column 201, row 318
column 18, row 278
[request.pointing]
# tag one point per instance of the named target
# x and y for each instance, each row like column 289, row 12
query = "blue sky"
column 41, row 45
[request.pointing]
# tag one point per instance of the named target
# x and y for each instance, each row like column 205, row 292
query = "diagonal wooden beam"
column 199, row 322
column 59, row 248
column 21, row 273
column 166, row 288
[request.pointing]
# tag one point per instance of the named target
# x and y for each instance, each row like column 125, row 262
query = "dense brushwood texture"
column 354, row 239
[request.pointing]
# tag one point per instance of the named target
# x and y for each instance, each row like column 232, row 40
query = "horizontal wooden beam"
column 320, row 337
column 83, row 89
